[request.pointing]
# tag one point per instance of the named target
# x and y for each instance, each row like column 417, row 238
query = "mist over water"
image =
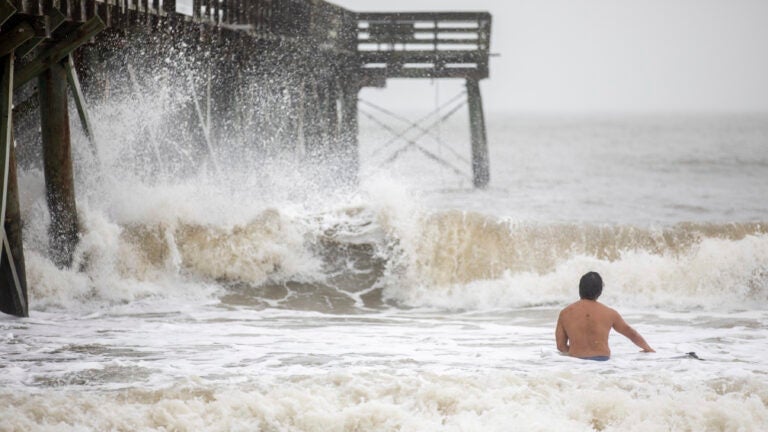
column 234, row 288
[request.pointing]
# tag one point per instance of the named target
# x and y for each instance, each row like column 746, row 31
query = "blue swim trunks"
column 596, row 358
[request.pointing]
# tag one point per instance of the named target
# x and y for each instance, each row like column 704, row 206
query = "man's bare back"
column 583, row 327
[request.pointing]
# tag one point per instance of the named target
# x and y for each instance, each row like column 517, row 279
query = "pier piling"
column 13, row 287
column 349, row 132
column 13, row 267
column 57, row 163
column 480, row 161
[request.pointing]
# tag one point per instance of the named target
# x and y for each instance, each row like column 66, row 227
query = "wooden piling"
column 349, row 132
column 13, row 287
column 312, row 120
column 299, row 110
column 13, row 267
column 331, row 117
column 57, row 164
column 480, row 159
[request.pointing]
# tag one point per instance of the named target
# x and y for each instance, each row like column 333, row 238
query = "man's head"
column 590, row 286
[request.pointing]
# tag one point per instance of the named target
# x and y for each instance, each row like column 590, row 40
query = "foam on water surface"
column 213, row 369
column 205, row 299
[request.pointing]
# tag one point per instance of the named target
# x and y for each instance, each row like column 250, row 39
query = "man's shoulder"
column 609, row 312
column 570, row 310
column 608, row 308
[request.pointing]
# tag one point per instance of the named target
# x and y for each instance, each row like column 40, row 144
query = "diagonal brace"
column 82, row 110
column 413, row 125
column 52, row 21
column 417, row 125
column 411, row 143
column 20, row 301
column 7, row 10
column 440, row 120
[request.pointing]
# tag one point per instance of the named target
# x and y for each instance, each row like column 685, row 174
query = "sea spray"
column 379, row 240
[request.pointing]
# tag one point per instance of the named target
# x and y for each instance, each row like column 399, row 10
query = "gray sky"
column 581, row 56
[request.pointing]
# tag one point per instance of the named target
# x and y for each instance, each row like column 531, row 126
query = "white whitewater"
column 255, row 299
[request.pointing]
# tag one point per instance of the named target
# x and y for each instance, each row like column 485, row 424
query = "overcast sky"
column 581, row 56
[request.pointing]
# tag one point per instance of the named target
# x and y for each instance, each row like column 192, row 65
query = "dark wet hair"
column 590, row 286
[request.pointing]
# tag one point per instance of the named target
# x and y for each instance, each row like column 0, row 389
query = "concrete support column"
column 480, row 159
column 57, row 164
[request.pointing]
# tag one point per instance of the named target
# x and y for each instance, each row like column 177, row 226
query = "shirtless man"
column 583, row 327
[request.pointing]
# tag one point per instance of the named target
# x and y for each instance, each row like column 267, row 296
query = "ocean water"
column 265, row 297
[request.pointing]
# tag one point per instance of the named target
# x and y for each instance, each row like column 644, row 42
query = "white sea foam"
column 386, row 402
column 229, row 300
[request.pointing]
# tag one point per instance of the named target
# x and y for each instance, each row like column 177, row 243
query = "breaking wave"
column 372, row 256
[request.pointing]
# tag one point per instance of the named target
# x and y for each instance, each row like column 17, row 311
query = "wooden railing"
column 425, row 44
column 320, row 21
column 279, row 18
column 83, row 10
column 425, row 31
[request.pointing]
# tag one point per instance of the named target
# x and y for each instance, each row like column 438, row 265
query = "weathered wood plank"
column 169, row 7
column 29, row 7
column 480, row 160
column 422, row 16
column 196, row 6
column 13, row 295
column 90, row 8
column 16, row 37
column 13, row 266
column 54, row 19
column 58, row 50
column 6, row 125
column 7, row 10
column 57, row 164
column 82, row 109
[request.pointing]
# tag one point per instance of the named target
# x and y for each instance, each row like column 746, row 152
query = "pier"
column 324, row 55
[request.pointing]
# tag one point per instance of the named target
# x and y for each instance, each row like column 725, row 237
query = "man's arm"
column 561, row 338
column 622, row 327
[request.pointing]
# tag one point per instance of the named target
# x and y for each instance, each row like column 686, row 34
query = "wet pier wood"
column 330, row 54
column 13, row 290
column 57, row 163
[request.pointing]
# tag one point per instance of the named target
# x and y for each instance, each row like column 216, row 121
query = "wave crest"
column 364, row 257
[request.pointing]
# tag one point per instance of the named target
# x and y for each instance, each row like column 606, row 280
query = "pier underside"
column 308, row 60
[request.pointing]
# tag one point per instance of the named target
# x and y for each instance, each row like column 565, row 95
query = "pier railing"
column 266, row 17
column 83, row 10
column 262, row 18
column 424, row 44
